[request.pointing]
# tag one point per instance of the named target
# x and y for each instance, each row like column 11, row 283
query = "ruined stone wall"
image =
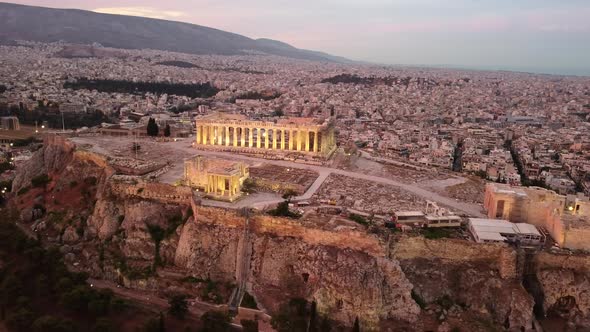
column 96, row 158
column 346, row 273
column 565, row 280
column 576, row 238
column 277, row 186
column 56, row 153
column 482, row 277
column 262, row 224
column 152, row 190
column 500, row 258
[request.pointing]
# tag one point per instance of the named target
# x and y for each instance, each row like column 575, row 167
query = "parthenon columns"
column 315, row 141
column 289, row 138
column 258, row 138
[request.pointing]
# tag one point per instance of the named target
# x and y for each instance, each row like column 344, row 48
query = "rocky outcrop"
column 346, row 272
column 208, row 250
column 565, row 282
column 55, row 155
column 344, row 283
column 478, row 278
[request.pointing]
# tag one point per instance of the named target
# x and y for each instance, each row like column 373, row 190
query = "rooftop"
column 496, row 229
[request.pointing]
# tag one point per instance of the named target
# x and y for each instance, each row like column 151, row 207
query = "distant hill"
column 131, row 32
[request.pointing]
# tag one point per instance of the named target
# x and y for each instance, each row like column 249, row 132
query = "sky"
column 550, row 36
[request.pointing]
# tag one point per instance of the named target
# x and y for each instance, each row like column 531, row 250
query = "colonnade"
column 221, row 185
column 297, row 139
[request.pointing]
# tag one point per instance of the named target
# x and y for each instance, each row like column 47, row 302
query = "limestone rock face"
column 70, row 235
column 344, row 283
column 208, row 251
column 565, row 281
column 446, row 269
column 105, row 219
column 55, row 155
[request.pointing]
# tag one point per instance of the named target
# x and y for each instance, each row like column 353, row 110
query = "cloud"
column 558, row 20
column 468, row 24
column 141, row 11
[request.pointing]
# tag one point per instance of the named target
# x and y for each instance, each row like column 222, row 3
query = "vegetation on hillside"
column 38, row 293
column 201, row 90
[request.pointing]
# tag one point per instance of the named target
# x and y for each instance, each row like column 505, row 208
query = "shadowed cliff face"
column 565, row 282
column 344, row 283
column 477, row 278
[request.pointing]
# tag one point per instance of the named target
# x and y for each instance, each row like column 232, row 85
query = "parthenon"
column 234, row 132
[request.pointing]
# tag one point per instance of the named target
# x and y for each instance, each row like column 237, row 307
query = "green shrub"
column 249, row 301
column 436, row 233
column 358, row 219
column 24, row 190
column 40, row 181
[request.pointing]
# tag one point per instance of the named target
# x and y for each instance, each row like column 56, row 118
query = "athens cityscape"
column 158, row 173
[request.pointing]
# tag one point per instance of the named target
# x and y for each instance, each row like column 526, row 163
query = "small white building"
column 494, row 230
column 411, row 218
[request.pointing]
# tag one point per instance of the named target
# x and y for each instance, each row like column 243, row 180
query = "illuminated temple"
column 218, row 178
column 233, row 132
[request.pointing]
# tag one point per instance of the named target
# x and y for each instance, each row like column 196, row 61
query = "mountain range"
column 20, row 22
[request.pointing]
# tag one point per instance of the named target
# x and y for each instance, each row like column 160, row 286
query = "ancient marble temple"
column 218, row 178
column 233, row 132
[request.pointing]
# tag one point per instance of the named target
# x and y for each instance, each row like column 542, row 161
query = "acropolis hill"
column 348, row 270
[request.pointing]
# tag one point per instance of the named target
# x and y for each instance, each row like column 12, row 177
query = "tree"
column 152, row 128
column 178, row 306
column 248, row 186
column 162, row 324
column 215, row 321
column 289, row 193
column 40, row 181
column 49, row 323
column 20, row 319
column 104, row 325
column 167, row 130
column 292, row 316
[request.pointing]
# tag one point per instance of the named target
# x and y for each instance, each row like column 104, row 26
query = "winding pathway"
column 467, row 208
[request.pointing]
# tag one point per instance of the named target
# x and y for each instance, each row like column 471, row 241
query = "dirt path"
column 467, row 208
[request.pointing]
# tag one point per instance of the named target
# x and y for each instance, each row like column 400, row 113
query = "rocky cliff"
column 478, row 278
column 134, row 231
column 56, row 153
column 565, row 283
